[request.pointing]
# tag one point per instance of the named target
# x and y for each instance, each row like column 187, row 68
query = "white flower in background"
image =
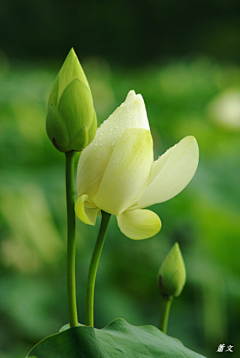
column 117, row 172
column 225, row 109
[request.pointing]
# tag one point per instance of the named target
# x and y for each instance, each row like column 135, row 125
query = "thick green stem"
column 165, row 310
column 93, row 269
column 71, row 281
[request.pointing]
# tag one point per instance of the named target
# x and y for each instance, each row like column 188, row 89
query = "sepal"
column 57, row 130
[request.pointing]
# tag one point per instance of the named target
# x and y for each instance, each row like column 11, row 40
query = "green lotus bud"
column 172, row 273
column 71, row 119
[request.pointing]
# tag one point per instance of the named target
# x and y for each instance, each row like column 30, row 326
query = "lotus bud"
column 71, row 119
column 172, row 273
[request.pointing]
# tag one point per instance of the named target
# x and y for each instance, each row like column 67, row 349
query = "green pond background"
column 184, row 60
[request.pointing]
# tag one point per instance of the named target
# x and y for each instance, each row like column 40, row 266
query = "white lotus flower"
column 117, row 172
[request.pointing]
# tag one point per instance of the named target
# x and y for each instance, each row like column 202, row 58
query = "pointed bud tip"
column 72, row 50
column 72, row 54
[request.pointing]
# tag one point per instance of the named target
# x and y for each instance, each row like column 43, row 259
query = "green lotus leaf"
column 117, row 340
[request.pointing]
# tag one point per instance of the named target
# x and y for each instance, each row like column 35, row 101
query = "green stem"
column 71, row 281
column 165, row 310
column 93, row 269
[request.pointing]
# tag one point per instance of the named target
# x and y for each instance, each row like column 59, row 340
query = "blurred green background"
column 183, row 57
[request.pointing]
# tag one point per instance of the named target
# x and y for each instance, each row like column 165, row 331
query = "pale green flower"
column 117, row 172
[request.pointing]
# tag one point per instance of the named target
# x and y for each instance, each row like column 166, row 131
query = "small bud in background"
column 71, row 119
column 172, row 273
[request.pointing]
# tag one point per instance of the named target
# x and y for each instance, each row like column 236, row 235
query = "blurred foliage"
column 127, row 32
column 181, row 100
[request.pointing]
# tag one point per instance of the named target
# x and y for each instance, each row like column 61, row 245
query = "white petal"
column 86, row 214
column 131, row 114
column 171, row 172
column 91, row 166
column 94, row 158
column 127, row 172
column 139, row 224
